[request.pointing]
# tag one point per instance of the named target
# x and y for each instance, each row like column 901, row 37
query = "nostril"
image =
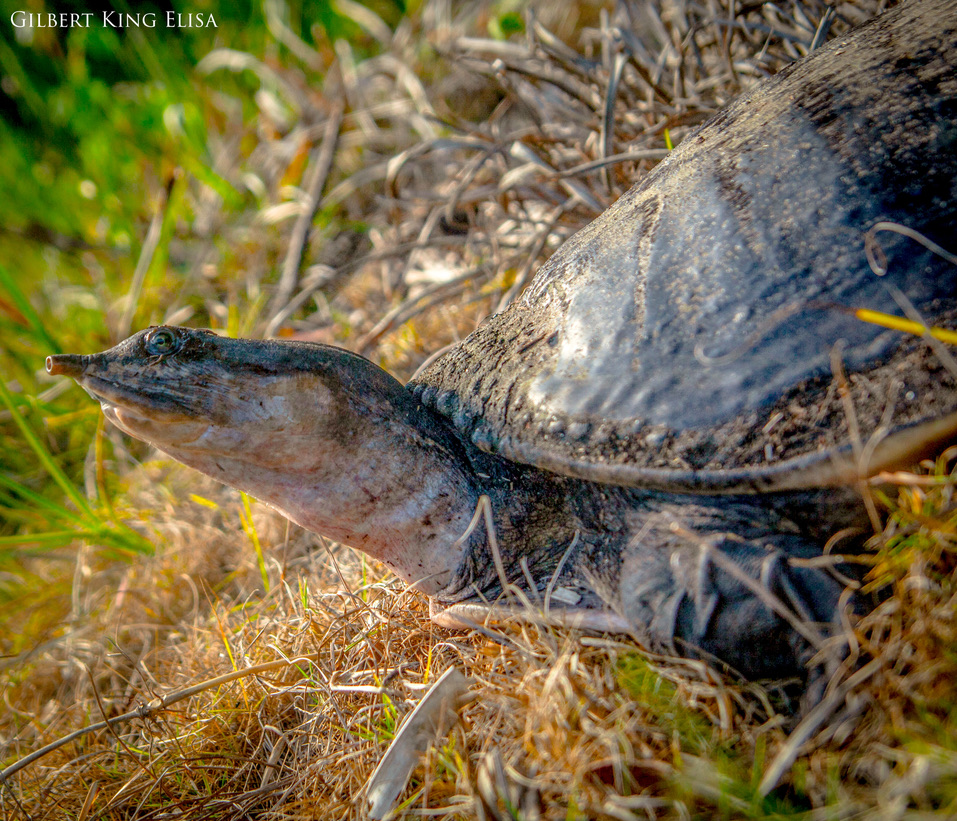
column 67, row 364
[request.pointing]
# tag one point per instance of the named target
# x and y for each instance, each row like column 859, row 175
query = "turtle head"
column 192, row 392
column 322, row 434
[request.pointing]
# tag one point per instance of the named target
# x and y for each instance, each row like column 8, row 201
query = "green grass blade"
column 19, row 299
column 56, row 536
column 43, row 454
column 246, row 517
column 23, row 492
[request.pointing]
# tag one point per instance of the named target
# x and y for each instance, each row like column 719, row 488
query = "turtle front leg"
column 747, row 602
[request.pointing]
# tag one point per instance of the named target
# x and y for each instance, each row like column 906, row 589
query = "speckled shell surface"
column 701, row 333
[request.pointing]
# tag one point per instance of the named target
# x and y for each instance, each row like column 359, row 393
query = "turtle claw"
column 746, row 603
column 707, row 597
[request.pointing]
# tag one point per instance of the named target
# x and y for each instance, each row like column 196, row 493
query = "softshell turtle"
column 674, row 418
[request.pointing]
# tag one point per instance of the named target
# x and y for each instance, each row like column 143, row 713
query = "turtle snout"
column 66, row 364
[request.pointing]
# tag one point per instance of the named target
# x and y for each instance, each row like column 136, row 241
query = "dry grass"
column 467, row 168
column 562, row 725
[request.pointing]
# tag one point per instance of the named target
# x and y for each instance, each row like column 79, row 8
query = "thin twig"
column 434, row 294
column 151, row 707
column 321, row 165
column 147, row 252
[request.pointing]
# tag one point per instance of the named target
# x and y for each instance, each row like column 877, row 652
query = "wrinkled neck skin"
column 407, row 499
column 394, row 494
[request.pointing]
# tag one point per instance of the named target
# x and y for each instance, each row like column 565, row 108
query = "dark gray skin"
column 656, row 424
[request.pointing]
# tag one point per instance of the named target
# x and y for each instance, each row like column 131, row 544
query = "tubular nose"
column 67, row 364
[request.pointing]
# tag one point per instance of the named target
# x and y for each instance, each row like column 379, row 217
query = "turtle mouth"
column 143, row 414
column 115, row 395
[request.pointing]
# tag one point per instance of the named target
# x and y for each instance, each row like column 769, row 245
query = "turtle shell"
column 706, row 331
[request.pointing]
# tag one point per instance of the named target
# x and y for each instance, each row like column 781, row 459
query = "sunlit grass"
column 73, row 518
column 124, row 579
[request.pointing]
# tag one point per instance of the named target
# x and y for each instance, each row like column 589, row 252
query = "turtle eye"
column 162, row 341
